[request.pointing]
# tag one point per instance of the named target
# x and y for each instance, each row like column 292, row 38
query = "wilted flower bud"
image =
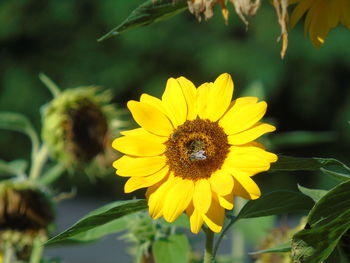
column 276, row 237
column 142, row 233
column 77, row 124
column 25, row 214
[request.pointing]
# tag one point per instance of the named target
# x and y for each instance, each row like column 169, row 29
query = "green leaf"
column 337, row 256
column 174, row 249
column 328, row 220
column 331, row 205
column 275, row 203
column 278, row 249
column 315, row 194
column 98, row 232
column 18, row 122
column 316, row 244
column 287, row 163
column 149, row 12
column 99, row 217
column 340, row 176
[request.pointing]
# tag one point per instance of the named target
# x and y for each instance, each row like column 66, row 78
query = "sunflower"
column 321, row 17
column 195, row 150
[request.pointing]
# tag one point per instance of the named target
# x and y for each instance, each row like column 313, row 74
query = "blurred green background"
column 309, row 90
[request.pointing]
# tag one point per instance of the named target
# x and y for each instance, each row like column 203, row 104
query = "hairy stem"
column 37, row 251
column 209, row 242
column 38, row 163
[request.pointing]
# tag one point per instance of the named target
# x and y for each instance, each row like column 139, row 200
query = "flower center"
column 86, row 130
column 196, row 149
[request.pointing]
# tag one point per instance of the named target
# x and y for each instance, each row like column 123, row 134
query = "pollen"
column 196, row 149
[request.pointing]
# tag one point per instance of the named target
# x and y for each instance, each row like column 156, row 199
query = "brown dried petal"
column 245, row 8
column 202, row 7
column 282, row 14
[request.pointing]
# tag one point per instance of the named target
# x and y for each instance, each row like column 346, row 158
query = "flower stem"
column 54, row 89
column 8, row 254
column 209, row 242
column 37, row 251
column 38, row 162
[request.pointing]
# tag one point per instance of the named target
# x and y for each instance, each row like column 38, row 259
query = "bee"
column 196, row 150
column 200, row 155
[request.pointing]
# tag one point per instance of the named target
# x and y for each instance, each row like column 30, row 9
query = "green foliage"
column 339, row 176
column 287, row 163
column 278, row 249
column 316, row 244
column 314, row 194
column 99, row 217
column 275, row 203
column 327, row 221
column 16, row 167
column 173, row 249
column 151, row 11
column 98, row 232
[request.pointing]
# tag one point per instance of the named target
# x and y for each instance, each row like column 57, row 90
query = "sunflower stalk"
column 37, row 251
column 8, row 253
column 209, row 242
column 38, row 163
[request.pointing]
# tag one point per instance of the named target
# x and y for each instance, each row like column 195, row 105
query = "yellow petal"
column 226, row 201
column 174, row 101
column 221, row 182
column 214, row 218
column 246, row 159
column 150, row 118
column 153, row 101
column 252, row 149
column 240, row 191
column 196, row 219
column 156, row 196
column 202, row 195
column 299, row 11
column 251, row 134
column 178, row 198
column 242, row 102
column 219, row 97
column 202, row 99
column 237, row 120
column 190, row 93
column 139, row 166
column 135, row 183
column 259, row 151
column 247, row 183
column 147, row 145
column 137, row 131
